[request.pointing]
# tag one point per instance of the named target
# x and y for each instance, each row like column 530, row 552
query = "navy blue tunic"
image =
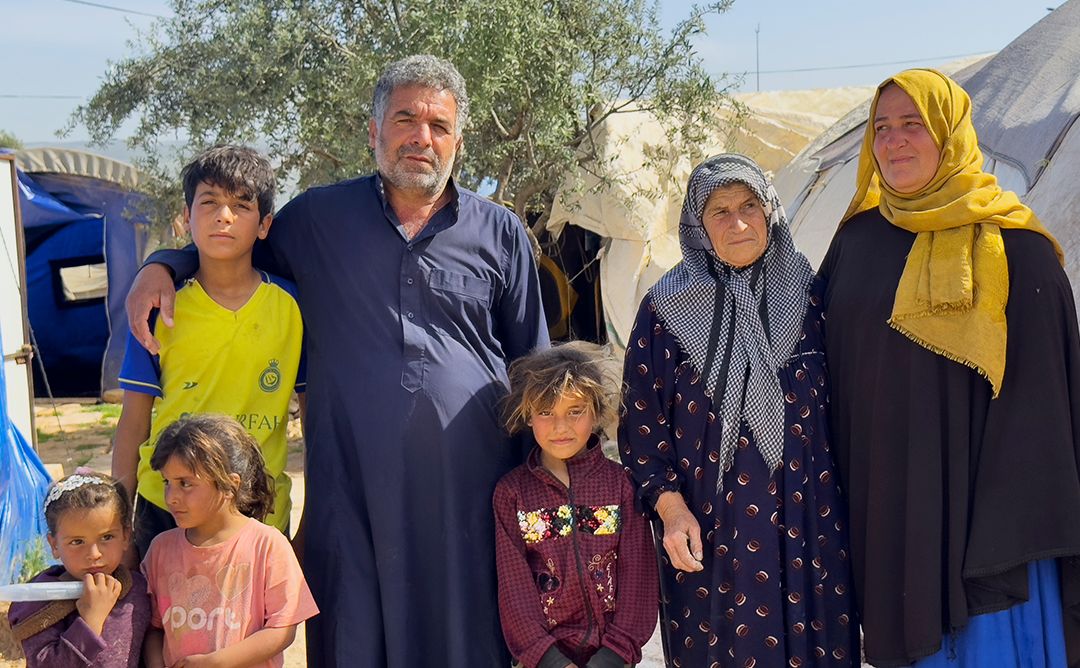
column 775, row 590
column 407, row 347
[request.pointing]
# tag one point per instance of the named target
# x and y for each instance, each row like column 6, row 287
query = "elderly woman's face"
column 736, row 224
column 906, row 154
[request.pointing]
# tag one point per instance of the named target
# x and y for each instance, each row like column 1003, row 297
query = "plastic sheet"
column 42, row 591
column 23, row 485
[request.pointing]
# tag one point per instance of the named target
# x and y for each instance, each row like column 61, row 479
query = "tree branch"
column 506, row 170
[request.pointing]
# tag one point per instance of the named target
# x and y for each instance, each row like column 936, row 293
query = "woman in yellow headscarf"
column 955, row 365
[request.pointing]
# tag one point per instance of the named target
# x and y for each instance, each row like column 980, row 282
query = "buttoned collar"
column 440, row 220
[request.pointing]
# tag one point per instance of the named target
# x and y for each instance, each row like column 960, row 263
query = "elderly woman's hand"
column 682, row 533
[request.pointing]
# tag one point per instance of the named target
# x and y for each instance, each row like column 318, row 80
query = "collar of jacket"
column 580, row 465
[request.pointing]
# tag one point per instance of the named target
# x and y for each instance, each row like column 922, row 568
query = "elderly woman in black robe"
column 725, row 433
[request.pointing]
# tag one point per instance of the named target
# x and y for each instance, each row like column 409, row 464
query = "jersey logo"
column 270, row 377
column 190, row 384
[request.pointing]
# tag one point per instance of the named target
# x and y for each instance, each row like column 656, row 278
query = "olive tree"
column 9, row 140
column 296, row 77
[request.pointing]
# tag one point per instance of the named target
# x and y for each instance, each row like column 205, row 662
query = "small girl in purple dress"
column 89, row 519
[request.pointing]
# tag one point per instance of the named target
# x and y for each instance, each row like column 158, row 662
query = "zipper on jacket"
column 580, row 566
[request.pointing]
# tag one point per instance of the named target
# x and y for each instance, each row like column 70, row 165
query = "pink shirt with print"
column 206, row 598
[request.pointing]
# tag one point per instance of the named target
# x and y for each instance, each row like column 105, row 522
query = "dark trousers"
column 149, row 522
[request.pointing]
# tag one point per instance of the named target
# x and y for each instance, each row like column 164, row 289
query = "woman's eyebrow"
column 885, row 118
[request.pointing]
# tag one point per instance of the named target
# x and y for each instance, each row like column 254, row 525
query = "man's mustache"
column 422, row 152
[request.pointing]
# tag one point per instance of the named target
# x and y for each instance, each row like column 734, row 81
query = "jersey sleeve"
column 141, row 371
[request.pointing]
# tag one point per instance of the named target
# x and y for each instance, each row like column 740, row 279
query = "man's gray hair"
column 421, row 70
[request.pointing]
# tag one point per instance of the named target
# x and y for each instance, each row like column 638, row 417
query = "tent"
column 86, row 234
column 1025, row 102
column 637, row 217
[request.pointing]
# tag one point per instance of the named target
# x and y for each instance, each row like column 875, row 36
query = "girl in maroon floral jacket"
column 577, row 568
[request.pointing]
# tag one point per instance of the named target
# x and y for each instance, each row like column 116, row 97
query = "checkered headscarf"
column 738, row 326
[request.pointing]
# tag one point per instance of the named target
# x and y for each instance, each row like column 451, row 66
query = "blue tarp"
column 23, row 484
column 71, row 220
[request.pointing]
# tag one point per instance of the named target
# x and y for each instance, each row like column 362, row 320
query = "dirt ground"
column 75, row 433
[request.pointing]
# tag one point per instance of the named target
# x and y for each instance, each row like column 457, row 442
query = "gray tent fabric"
column 1027, row 97
column 61, row 160
column 1025, row 101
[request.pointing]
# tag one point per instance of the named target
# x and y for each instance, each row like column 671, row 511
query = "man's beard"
column 429, row 182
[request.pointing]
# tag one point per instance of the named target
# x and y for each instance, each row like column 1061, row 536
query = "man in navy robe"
column 416, row 295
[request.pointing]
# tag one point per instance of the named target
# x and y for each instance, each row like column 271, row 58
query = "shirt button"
column 409, row 281
column 409, row 315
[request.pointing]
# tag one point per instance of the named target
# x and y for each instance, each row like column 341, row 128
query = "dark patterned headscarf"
column 738, row 326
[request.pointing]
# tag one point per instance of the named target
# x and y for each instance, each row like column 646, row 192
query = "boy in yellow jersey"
column 236, row 348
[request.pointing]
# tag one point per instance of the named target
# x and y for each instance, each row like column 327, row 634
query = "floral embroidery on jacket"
column 549, row 586
column 602, row 569
column 543, row 523
column 599, row 520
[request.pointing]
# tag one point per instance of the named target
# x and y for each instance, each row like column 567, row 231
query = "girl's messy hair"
column 216, row 446
column 86, row 490
column 577, row 368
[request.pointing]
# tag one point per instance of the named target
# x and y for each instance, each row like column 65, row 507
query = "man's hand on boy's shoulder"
column 152, row 289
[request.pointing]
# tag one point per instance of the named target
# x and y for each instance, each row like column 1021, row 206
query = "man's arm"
column 132, row 430
column 154, row 288
column 154, row 285
column 520, row 314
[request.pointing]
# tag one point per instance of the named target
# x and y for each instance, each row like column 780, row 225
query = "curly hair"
column 422, row 70
column 217, row 446
column 105, row 490
column 576, row 368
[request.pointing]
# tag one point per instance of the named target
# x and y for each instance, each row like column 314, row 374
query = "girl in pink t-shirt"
column 226, row 589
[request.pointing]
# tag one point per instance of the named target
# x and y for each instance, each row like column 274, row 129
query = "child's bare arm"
column 255, row 649
column 131, row 431
column 153, row 648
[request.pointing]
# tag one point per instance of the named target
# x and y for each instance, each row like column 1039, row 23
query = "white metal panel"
column 13, row 317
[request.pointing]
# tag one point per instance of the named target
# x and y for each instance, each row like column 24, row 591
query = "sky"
column 57, row 51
